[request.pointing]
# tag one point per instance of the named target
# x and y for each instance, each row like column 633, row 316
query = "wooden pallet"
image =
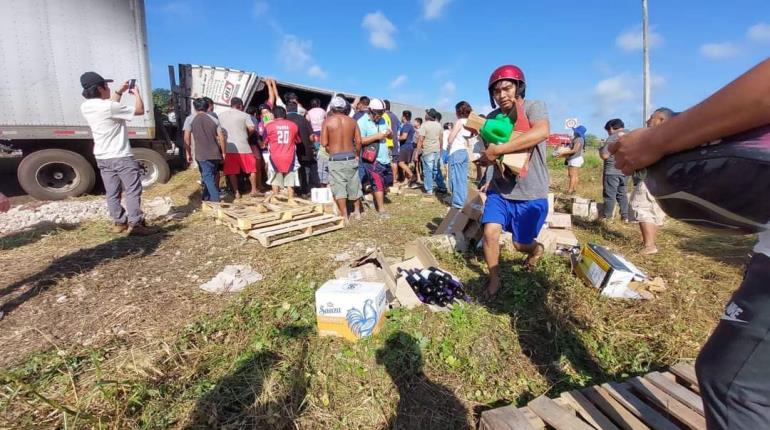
column 295, row 230
column 251, row 217
column 657, row 401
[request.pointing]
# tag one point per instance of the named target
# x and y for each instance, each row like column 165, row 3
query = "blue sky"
column 582, row 58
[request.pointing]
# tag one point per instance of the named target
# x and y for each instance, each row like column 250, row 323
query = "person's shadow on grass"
column 422, row 404
column 548, row 333
column 236, row 401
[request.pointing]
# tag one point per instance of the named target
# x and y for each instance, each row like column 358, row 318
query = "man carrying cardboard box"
column 515, row 204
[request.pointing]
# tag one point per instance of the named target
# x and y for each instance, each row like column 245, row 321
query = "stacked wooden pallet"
column 274, row 220
column 658, row 401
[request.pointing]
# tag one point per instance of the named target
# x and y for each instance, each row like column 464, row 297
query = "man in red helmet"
column 515, row 204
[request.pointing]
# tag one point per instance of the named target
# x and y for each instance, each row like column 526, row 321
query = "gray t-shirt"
column 609, row 163
column 236, row 124
column 431, row 131
column 575, row 141
column 535, row 184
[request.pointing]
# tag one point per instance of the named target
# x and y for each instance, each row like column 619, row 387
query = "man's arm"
column 402, row 136
column 138, row 103
column 188, row 145
column 324, row 135
column 117, row 94
column 357, row 139
column 456, row 129
column 530, row 138
column 373, row 138
column 604, row 152
column 221, row 140
column 741, row 105
column 272, row 92
column 420, row 140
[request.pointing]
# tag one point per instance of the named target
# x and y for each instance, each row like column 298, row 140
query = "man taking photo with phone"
column 120, row 172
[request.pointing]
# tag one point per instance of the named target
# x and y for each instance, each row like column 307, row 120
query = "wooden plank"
column 534, row 420
column 614, row 410
column 296, row 230
column 686, row 371
column 505, row 418
column 637, row 407
column 556, row 416
column 588, row 411
column 676, row 391
column 655, row 395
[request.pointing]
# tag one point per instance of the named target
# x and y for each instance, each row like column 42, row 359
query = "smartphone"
column 131, row 84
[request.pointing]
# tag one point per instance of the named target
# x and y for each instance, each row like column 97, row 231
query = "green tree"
column 593, row 141
column 161, row 98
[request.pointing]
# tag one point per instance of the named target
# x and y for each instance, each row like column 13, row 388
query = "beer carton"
column 350, row 309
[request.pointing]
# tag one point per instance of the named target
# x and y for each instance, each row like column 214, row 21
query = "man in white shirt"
column 120, row 172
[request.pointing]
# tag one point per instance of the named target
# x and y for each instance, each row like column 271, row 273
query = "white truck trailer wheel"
column 154, row 167
column 55, row 174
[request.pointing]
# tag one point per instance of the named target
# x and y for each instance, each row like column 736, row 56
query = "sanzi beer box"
column 350, row 309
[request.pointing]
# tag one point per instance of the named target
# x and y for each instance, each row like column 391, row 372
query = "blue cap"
column 580, row 131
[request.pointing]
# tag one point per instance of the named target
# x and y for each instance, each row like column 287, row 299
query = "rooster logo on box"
column 362, row 324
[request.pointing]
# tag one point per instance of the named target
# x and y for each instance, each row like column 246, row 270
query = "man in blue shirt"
column 377, row 172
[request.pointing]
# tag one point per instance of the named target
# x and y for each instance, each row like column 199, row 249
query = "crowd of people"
column 364, row 147
column 354, row 149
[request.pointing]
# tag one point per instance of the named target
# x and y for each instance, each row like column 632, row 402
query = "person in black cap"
column 120, row 172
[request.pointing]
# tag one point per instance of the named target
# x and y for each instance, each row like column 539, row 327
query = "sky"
column 584, row 59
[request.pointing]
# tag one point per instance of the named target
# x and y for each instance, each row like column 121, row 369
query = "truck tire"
column 55, row 174
column 154, row 167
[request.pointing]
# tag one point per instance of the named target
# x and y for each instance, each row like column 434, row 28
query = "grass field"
column 135, row 343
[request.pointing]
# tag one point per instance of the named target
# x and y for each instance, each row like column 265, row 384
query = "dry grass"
column 186, row 359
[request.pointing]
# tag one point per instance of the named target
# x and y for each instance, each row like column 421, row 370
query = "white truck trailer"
column 45, row 46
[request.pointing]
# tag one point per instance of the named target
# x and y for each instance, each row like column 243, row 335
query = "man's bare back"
column 340, row 134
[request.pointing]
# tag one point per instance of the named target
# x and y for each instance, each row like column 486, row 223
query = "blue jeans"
column 458, row 177
column 209, row 170
column 430, row 170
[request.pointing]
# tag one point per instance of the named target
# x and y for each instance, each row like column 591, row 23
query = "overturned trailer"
column 222, row 84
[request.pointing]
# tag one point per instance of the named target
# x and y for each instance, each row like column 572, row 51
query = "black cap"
column 433, row 113
column 90, row 79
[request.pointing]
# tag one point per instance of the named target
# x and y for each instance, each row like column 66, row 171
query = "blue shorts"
column 523, row 218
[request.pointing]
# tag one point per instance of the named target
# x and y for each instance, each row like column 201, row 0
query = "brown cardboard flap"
column 454, row 222
column 372, row 265
column 474, row 204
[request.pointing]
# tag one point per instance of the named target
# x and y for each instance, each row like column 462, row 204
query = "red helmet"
column 509, row 71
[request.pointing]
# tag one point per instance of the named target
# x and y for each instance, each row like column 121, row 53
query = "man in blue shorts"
column 515, row 204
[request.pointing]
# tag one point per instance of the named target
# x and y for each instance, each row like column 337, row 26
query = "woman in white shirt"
column 460, row 142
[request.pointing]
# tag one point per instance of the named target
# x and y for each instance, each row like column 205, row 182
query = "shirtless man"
column 342, row 139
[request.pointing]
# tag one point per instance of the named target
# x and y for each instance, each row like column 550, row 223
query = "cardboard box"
column 580, row 209
column 416, row 256
column 474, row 204
column 548, row 239
column 446, row 242
column 350, row 309
column 559, row 220
column 454, row 222
column 600, row 268
column 564, row 238
column 371, row 267
column 321, row 195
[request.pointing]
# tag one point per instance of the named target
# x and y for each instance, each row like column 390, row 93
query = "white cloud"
column 295, row 52
column 260, row 8
column 759, row 32
column 446, row 92
column 657, row 81
column 294, row 55
column 720, row 51
column 611, row 92
column 316, row 72
column 432, row 9
column 179, row 8
column 380, row 29
column 483, row 108
column 400, row 80
column 631, row 39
